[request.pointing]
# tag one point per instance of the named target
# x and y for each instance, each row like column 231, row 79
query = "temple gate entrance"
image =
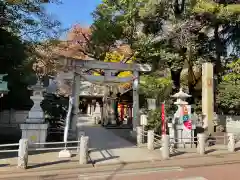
column 77, row 71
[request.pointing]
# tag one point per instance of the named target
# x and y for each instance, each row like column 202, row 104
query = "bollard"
column 201, row 143
column 83, row 154
column 139, row 135
column 165, row 147
column 150, row 140
column 231, row 142
column 23, row 154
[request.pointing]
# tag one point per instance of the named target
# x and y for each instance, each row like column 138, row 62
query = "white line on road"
column 190, row 178
column 128, row 172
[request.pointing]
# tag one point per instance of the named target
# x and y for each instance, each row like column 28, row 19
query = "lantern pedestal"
column 35, row 128
column 177, row 130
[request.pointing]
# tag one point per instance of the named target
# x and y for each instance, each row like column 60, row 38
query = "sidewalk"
column 74, row 168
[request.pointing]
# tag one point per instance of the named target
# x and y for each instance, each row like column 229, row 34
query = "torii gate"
column 77, row 66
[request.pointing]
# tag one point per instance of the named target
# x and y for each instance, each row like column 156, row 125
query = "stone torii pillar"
column 136, row 120
column 75, row 93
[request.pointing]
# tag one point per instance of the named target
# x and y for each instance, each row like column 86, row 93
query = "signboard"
column 151, row 104
column 186, row 117
column 143, row 120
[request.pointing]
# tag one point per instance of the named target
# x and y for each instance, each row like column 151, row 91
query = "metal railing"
column 56, row 148
column 157, row 140
column 9, row 145
column 43, row 148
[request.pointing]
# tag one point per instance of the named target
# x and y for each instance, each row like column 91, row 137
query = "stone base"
column 65, row 154
column 183, row 139
column 35, row 133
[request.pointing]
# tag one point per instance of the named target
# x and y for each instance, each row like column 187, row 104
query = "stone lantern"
column 181, row 129
column 35, row 128
column 36, row 114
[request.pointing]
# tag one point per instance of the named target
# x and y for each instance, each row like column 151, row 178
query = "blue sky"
column 72, row 12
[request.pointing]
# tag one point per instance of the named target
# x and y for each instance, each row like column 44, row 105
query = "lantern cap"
column 181, row 95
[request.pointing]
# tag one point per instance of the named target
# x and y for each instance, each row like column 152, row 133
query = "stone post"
column 23, row 154
column 165, row 146
column 201, row 143
column 83, row 154
column 231, row 142
column 208, row 97
column 139, row 135
column 150, row 140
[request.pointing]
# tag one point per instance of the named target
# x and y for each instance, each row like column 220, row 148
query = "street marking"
column 190, row 178
column 129, row 172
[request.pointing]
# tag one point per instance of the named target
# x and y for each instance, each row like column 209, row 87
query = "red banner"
column 163, row 120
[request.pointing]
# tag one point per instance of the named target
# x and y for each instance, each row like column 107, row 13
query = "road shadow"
column 177, row 153
column 4, row 165
column 103, row 159
column 210, row 151
column 47, row 164
column 103, row 155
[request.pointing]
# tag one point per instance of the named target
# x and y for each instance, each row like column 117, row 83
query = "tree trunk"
column 175, row 74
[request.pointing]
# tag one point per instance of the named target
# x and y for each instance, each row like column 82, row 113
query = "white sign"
column 151, row 104
column 143, row 120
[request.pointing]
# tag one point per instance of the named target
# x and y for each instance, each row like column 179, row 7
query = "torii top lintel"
column 93, row 64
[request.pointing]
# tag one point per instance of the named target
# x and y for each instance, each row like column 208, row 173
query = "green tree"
column 29, row 19
column 173, row 34
column 228, row 96
column 22, row 24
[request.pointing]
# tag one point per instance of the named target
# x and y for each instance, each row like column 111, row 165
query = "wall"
column 12, row 117
column 232, row 123
column 10, row 131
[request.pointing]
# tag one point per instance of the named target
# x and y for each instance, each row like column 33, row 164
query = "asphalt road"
column 217, row 172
